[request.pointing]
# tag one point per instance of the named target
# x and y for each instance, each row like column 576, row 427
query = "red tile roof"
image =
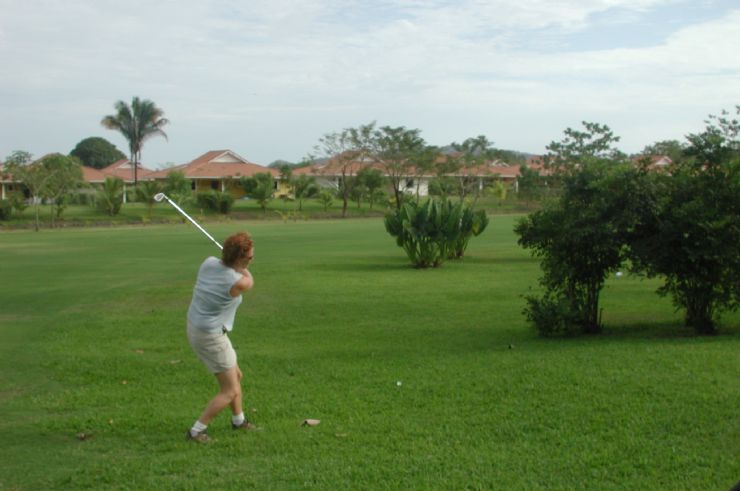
column 124, row 170
column 90, row 174
column 216, row 164
column 333, row 167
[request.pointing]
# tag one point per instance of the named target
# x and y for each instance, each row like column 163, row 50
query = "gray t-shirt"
column 212, row 307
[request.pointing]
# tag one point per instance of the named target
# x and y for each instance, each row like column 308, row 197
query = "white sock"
column 198, row 427
column 238, row 419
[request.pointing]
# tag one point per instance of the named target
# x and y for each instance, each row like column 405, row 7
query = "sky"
column 268, row 78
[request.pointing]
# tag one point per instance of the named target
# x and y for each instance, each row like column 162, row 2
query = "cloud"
column 247, row 74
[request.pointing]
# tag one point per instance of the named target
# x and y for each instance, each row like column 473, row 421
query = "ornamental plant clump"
column 435, row 230
column 109, row 197
column 216, row 201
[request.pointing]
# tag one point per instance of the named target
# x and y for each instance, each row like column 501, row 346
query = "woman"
column 216, row 296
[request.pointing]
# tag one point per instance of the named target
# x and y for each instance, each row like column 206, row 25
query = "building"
column 220, row 170
column 328, row 174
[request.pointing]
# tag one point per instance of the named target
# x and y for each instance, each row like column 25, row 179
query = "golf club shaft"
column 192, row 221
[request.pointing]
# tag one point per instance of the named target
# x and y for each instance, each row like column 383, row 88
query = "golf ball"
column 398, row 383
column 619, row 274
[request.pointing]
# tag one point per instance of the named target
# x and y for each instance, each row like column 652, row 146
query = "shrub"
column 18, row 201
column 84, row 197
column 110, row 196
column 435, row 230
column 552, row 315
column 216, row 201
column 260, row 187
column 326, row 198
column 472, row 224
column 6, row 209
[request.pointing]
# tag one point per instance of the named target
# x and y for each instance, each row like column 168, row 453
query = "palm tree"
column 137, row 123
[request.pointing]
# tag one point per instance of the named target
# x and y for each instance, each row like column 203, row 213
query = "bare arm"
column 245, row 283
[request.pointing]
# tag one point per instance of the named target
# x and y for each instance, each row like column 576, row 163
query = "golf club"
column 161, row 196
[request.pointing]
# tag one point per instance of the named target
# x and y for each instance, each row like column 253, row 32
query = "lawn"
column 137, row 213
column 422, row 379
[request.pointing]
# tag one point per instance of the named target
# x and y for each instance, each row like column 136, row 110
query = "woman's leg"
column 230, row 393
column 236, row 402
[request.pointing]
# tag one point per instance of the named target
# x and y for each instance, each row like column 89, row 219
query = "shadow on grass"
column 644, row 332
column 664, row 330
column 400, row 263
column 499, row 260
column 370, row 265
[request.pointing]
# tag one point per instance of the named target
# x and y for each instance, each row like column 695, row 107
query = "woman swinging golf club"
column 216, row 296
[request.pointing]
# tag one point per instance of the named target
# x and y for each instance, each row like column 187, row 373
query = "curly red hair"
column 236, row 248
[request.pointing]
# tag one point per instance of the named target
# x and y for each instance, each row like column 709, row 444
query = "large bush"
column 260, row 187
column 692, row 237
column 216, row 201
column 6, row 209
column 580, row 239
column 435, row 230
column 472, row 224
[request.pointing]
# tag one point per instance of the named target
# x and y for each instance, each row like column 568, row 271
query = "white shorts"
column 213, row 349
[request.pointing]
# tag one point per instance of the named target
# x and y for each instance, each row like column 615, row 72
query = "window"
column 214, row 185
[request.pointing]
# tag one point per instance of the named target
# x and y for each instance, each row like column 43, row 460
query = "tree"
column 692, row 237
column 357, row 190
column 718, row 144
column 673, row 149
column 581, row 239
column 146, row 192
column 137, row 123
column 578, row 147
column 286, row 172
column 96, row 152
column 423, row 164
column 346, row 150
column 372, row 181
column 466, row 163
column 34, row 176
column 110, row 196
column 304, row 187
column 177, row 187
column 397, row 151
column 65, row 176
column 259, row 187
column 529, row 184
column 277, row 164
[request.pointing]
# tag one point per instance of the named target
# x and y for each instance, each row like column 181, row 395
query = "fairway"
column 422, row 379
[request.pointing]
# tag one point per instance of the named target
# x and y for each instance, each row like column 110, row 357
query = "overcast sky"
column 268, row 78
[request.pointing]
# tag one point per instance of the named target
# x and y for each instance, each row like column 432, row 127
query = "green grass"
column 243, row 209
column 92, row 339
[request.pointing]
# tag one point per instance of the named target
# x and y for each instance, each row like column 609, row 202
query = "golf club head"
column 159, row 197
